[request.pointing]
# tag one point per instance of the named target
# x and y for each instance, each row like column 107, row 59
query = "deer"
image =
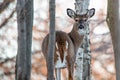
column 67, row 44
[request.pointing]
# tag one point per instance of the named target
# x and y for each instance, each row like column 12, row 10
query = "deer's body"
column 66, row 45
column 64, row 55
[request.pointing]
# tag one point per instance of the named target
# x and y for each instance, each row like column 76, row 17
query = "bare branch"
column 7, row 19
column 4, row 5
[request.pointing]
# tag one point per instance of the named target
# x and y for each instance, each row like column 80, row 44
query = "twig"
column 6, row 60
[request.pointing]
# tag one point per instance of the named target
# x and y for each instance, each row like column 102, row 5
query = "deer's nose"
column 81, row 26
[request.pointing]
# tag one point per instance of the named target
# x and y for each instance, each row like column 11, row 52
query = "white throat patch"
column 81, row 32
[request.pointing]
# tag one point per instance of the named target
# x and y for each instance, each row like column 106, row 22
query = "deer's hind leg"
column 58, row 73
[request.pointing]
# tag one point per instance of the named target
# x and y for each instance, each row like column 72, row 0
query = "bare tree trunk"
column 25, row 23
column 113, row 20
column 51, row 45
column 83, row 57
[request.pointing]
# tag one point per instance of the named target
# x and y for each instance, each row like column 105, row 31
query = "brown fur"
column 75, row 37
column 61, row 38
column 74, row 40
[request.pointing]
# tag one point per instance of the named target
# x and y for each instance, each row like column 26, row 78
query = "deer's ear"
column 71, row 13
column 91, row 12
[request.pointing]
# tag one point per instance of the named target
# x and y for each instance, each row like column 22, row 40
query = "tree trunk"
column 83, row 57
column 113, row 20
column 25, row 23
column 51, row 45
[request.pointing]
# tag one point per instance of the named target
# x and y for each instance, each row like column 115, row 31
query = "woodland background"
column 101, row 45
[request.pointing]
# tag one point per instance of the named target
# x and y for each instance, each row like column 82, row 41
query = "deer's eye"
column 85, row 19
column 76, row 20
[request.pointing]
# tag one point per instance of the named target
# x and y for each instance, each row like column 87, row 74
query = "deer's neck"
column 76, row 38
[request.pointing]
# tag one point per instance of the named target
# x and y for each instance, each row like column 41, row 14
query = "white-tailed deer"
column 79, row 27
column 67, row 44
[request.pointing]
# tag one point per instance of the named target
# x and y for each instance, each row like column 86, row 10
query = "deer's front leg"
column 70, row 67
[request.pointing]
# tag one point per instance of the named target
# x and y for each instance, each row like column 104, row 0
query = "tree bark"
column 113, row 20
column 51, row 45
column 25, row 23
column 83, row 57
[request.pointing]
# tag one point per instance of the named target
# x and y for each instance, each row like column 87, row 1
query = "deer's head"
column 80, row 20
